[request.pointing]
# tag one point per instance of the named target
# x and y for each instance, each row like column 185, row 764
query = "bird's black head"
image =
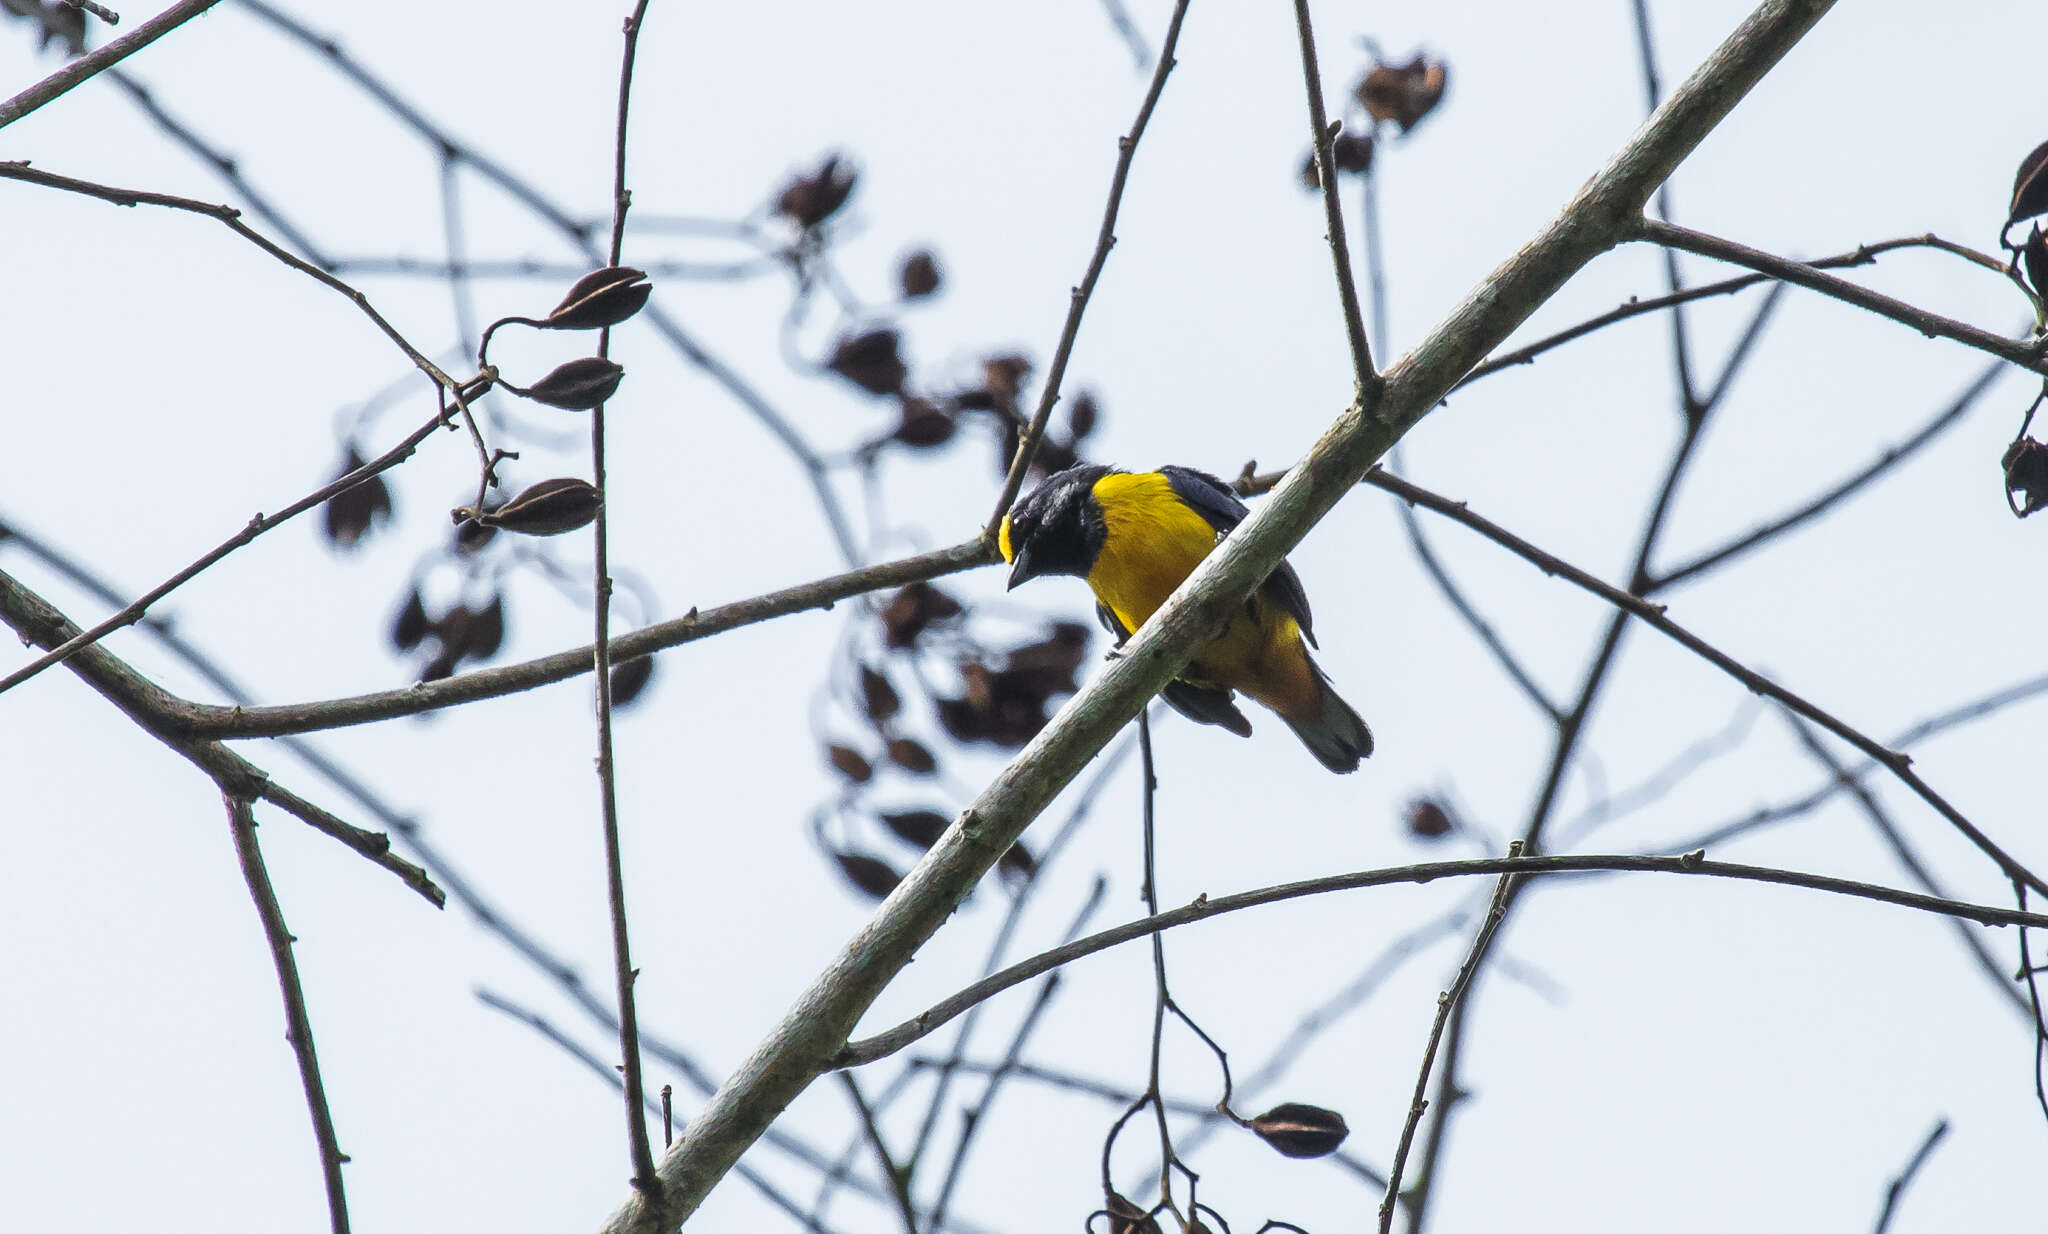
column 1058, row 529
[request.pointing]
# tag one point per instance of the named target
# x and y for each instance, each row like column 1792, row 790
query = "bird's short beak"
column 1020, row 569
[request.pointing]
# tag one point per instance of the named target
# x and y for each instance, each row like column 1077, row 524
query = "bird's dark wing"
column 1219, row 507
column 1202, row 704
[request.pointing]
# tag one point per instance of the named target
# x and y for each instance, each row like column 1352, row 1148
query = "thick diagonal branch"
column 1604, row 212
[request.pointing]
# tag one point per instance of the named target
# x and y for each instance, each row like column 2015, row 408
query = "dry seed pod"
column 920, row 275
column 578, row 385
column 487, row 629
column 629, row 680
column 2030, row 187
column 1298, row 1130
column 2026, row 472
column 870, row 361
column 912, row 757
column 1403, row 93
column 924, row 425
column 868, row 874
column 809, row 200
column 1427, row 819
column 411, row 625
column 850, row 764
column 920, row 827
column 471, row 536
column 350, row 514
column 2034, row 256
column 1004, row 376
column 878, row 696
column 913, row 608
column 546, row 509
column 601, row 298
column 1084, row 416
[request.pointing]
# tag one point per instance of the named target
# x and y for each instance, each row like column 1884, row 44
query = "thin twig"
column 1905, row 1176
column 1323, row 134
column 883, row 1044
column 298, row 1027
column 899, row 1182
column 640, row 1152
column 236, row 722
column 1834, row 495
column 2028, row 356
column 83, row 68
column 1446, row 1002
column 100, row 11
column 1105, row 239
column 1861, row 255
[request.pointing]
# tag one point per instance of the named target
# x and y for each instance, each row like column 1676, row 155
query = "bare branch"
column 299, row 1028
column 41, row 625
column 1906, row 1175
column 113, row 53
column 1105, row 239
column 2028, row 356
column 881, row 1045
column 640, row 1150
column 1446, row 1002
column 235, row 722
column 1322, row 133
column 1653, row 615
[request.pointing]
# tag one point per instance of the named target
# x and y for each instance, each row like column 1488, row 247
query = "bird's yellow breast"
column 1153, row 541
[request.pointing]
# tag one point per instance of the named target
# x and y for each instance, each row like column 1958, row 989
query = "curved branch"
column 227, row 723
column 881, row 1045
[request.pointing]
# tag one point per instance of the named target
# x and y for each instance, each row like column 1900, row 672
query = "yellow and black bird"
column 1135, row 536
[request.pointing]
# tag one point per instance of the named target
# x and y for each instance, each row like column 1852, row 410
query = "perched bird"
column 1135, row 536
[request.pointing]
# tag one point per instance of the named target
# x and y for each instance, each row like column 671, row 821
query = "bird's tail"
column 1332, row 731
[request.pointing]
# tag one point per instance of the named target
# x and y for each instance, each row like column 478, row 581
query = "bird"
column 1134, row 536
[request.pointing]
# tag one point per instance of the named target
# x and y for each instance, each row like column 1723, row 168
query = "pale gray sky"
column 1720, row 1053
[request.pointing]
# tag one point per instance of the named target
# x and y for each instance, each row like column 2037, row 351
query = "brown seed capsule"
column 487, row 629
column 962, row 720
column 1126, row 1217
column 2035, row 258
column 1004, row 376
column 920, row 827
column 850, row 764
column 912, row 757
column 868, row 874
column 352, row 513
column 2026, row 472
column 578, row 385
column 1352, row 153
column 809, row 200
column 548, row 508
column 412, row 624
column 2030, row 187
column 1297, row 1130
column 878, row 696
column 601, row 298
column 924, row 425
column 1083, row 417
column 920, row 275
column 629, row 680
column 1427, row 819
column 1403, row 93
column 471, row 536
column 913, row 608
column 870, row 361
